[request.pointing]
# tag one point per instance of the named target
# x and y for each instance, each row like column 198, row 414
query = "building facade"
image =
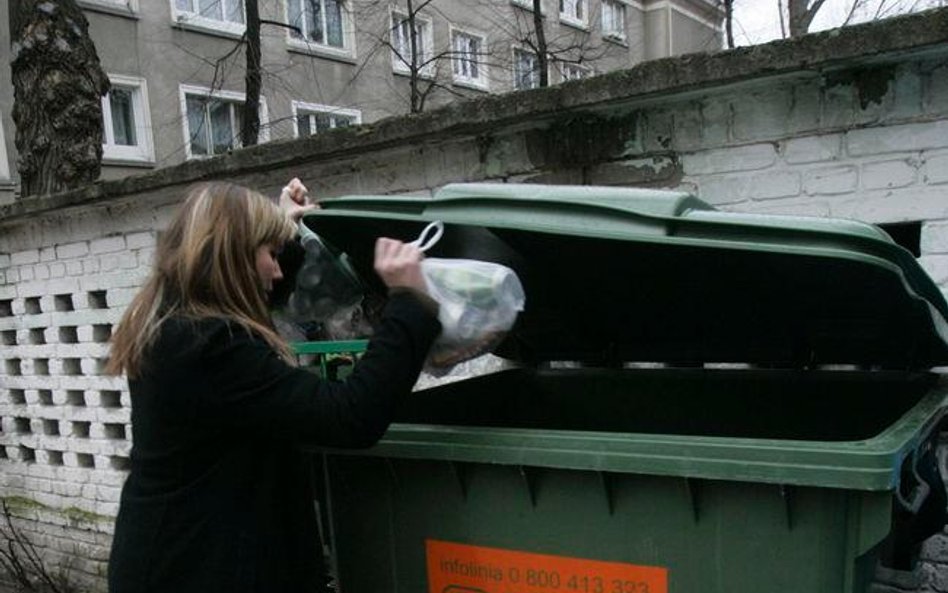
column 177, row 67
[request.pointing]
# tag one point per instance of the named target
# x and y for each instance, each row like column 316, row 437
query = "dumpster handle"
column 424, row 242
column 919, row 493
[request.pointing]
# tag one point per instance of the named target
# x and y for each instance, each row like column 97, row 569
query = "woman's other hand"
column 294, row 200
column 399, row 264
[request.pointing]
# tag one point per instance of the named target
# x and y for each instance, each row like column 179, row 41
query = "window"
column 319, row 21
column 469, row 55
column 402, row 43
column 573, row 11
column 126, row 121
column 225, row 15
column 313, row 119
column 213, row 120
column 122, row 6
column 528, row 4
column 613, row 19
column 526, row 70
column 574, row 71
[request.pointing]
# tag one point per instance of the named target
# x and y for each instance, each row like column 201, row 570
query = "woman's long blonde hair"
column 205, row 266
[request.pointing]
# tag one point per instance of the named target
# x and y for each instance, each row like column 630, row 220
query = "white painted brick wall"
column 72, row 250
column 934, row 237
column 741, row 158
column 887, row 174
column 20, row 258
column 935, row 168
column 72, row 449
column 899, row 138
column 107, row 245
column 139, row 240
column 812, row 149
column 840, row 179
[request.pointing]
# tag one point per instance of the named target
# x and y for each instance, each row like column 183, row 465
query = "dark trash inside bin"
column 793, row 454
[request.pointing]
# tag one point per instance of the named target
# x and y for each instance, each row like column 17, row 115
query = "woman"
column 218, row 498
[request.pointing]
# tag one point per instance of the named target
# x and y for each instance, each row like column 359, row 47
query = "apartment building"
column 177, row 67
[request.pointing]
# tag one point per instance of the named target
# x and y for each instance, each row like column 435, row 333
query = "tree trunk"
column 729, row 22
column 58, row 84
column 801, row 13
column 413, row 70
column 250, row 127
column 542, row 62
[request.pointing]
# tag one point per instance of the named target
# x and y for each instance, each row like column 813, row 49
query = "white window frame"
column 192, row 19
column 348, row 48
column 313, row 108
column 528, row 5
column 232, row 96
column 623, row 10
column 572, row 19
column 144, row 151
column 122, row 7
column 427, row 49
column 514, row 63
column 4, row 161
column 566, row 66
column 482, row 80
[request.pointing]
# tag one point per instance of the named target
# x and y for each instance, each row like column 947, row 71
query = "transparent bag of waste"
column 478, row 304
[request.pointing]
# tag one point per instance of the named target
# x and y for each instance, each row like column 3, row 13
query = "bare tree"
column 428, row 68
column 22, row 563
column 58, row 85
column 250, row 126
column 414, row 60
column 249, row 42
column 729, row 22
column 783, row 20
column 540, row 48
column 567, row 46
column 411, row 46
column 800, row 15
column 862, row 10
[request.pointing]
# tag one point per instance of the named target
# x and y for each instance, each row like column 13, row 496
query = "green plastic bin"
column 706, row 402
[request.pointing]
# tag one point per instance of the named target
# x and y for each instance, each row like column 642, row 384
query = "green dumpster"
column 705, row 402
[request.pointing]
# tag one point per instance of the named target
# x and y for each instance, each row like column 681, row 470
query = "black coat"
column 218, row 497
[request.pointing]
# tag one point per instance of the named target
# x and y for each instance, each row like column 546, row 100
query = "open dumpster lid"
column 615, row 275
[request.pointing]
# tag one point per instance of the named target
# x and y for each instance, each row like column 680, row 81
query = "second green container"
column 706, row 402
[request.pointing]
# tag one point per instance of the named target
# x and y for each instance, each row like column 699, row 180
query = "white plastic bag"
column 478, row 304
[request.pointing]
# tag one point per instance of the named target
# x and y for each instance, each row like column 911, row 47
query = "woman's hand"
column 294, row 200
column 399, row 264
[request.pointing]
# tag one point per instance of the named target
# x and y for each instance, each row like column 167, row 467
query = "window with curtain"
column 526, row 70
column 573, row 11
column 468, row 58
column 212, row 120
column 318, row 21
column 211, row 12
column 126, row 133
column 312, row 118
column 613, row 19
column 401, row 42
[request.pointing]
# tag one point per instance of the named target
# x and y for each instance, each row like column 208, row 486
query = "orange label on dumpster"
column 460, row 568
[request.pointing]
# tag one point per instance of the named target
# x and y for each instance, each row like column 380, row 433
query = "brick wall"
column 65, row 426
column 851, row 124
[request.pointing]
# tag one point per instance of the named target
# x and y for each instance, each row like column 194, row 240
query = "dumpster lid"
column 615, row 275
